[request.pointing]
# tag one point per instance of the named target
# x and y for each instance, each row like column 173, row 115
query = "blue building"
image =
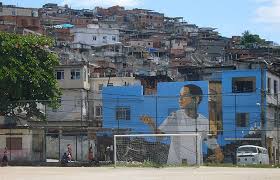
column 239, row 108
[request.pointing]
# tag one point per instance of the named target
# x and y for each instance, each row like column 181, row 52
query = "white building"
column 94, row 36
column 273, row 114
column 74, row 83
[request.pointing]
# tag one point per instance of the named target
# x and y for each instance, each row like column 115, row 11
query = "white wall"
column 87, row 35
column 272, row 98
column 71, row 107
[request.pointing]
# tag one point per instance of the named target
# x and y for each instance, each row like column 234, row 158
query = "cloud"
column 89, row 4
column 268, row 12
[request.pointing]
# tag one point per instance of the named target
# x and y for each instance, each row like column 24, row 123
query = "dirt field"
column 109, row 173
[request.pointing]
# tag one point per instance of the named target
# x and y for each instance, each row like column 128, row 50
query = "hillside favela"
column 130, row 86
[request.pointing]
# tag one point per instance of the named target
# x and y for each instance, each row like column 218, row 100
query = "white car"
column 250, row 154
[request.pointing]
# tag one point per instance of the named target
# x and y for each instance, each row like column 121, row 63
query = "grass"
column 242, row 166
column 149, row 164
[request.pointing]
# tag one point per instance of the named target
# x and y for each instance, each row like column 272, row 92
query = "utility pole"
column 81, row 129
column 156, row 114
column 235, row 118
column 277, row 121
column 263, row 128
column 196, row 130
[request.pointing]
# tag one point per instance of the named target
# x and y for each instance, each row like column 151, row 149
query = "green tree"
column 249, row 40
column 26, row 74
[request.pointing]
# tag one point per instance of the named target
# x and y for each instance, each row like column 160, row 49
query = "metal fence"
column 73, row 128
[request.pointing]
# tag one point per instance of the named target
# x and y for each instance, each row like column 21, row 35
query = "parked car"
column 250, row 154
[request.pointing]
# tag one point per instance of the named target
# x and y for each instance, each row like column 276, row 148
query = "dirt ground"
column 120, row 173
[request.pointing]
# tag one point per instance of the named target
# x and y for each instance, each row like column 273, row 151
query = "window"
column 268, row 85
column 59, row 74
column 242, row 119
column 243, row 84
column 98, row 111
column 75, row 74
column 114, row 38
column 104, row 39
column 275, row 87
column 100, row 87
column 122, row 113
column 14, row 143
column 94, row 38
column 247, row 149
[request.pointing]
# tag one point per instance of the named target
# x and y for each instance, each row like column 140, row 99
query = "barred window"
column 242, row 119
column 98, row 111
column 123, row 113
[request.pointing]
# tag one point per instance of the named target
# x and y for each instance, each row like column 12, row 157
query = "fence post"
column 59, row 143
column 76, row 147
column 45, row 145
column 277, row 121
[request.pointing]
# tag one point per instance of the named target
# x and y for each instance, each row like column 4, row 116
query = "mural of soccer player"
column 186, row 120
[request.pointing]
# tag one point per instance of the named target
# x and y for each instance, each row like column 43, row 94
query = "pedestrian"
column 4, row 161
column 90, row 154
column 232, row 158
column 108, row 149
column 64, row 159
column 69, row 152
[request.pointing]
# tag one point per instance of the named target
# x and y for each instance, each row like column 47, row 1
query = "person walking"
column 4, row 161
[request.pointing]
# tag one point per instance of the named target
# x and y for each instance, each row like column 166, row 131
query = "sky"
column 230, row 17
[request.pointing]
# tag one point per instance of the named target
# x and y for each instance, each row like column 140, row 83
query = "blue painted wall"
column 233, row 103
column 158, row 107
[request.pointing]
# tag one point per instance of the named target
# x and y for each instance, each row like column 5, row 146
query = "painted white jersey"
column 183, row 148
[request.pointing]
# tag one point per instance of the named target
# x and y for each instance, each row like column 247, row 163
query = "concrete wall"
column 24, row 154
column 14, row 11
column 73, row 107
